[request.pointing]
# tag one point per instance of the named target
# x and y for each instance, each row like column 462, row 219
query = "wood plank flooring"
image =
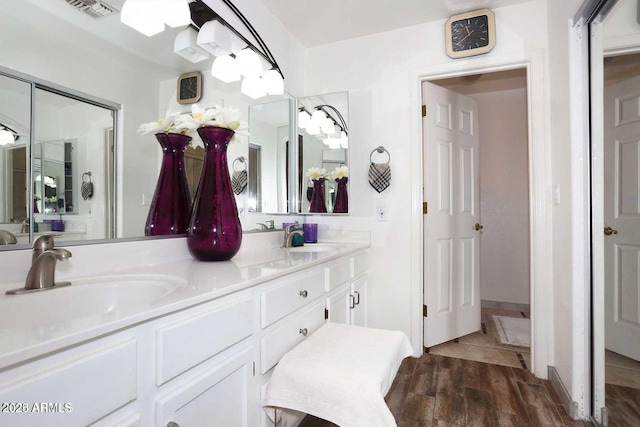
column 438, row 391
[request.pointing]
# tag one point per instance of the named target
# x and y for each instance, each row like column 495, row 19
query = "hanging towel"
column 380, row 176
column 86, row 189
column 239, row 181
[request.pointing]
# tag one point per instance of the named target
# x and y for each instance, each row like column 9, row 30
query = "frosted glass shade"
column 215, row 38
column 273, row 82
column 313, row 128
column 185, row 45
column 253, row 87
column 326, row 126
column 318, row 116
column 175, row 13
column 303, row 119
column 143, row 16
column 249, row 63
column 6, row 137
column 225, row 68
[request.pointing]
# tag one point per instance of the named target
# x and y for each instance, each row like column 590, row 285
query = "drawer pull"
column 352, row 301
column 358, row 295
column 304, row 332
column 172, row 424
column 304, row 293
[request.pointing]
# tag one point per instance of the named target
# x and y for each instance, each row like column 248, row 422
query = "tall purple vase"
column 215, row 233
column 341, row 205
column 317, row 197
column 171, row 205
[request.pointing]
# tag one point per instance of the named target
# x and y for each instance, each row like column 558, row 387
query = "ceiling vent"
column 95, row 8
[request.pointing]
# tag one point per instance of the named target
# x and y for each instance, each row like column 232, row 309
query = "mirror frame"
column 35, row 84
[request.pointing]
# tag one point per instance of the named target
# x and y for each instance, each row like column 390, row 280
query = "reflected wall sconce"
column 327, row 123
column 7, row 135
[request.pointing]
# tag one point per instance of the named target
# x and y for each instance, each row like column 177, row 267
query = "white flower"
column 227, row 117
column 166, row 125
column 316, row 173
column 198, row 118
column 224, row 117
column 340, row 172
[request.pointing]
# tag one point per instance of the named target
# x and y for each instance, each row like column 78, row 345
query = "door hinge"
column 425, row 208
column 326, row 313
column 424, row 311
column 254, row 369
column 424, row 111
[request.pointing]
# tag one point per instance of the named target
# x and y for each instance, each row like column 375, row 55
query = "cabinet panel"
column 78, row 392
column 275, row 344
column 218, row 398
column 291, row 295
column 360, row 263
column 339, row 305
column 338, row 274
column 189, row 342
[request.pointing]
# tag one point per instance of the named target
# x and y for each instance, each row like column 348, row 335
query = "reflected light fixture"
column 7, row 135
column 186, row 46
column 326, row 123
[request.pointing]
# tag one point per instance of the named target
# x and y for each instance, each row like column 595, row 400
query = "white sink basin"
column 88, row 302
column 313, row 247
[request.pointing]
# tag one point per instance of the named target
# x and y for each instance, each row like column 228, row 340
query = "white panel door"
column 452, row 190
column 622, row 215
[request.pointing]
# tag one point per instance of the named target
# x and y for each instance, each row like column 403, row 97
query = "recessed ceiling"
column 319, row 22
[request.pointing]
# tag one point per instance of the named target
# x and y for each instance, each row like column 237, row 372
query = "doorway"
column 491, row 260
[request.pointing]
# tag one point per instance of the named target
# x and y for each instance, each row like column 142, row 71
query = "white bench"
column 341, row 374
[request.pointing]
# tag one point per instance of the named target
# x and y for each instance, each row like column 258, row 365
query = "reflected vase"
column 171, row 205
column 215, row 233
column 317, row 197
column 341, row 205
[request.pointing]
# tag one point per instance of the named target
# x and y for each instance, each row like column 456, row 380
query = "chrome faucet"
column 41, row 275
column 25, row 226
column 268, row 225
column 289, row 232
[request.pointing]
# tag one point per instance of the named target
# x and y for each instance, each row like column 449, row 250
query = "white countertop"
column 34, row 324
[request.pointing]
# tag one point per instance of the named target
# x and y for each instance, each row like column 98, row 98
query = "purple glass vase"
column 171, row 205
column 341, row 205
column 317, row 197
column 215, row 233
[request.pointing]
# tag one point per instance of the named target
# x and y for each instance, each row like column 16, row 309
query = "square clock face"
column 189, row 88
column 470, row 33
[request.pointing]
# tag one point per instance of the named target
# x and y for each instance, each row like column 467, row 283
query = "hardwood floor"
column 438, row 391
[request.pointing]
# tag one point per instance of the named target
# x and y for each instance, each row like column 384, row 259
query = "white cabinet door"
column 338, row 305
column 359, row 301
column 220, row 397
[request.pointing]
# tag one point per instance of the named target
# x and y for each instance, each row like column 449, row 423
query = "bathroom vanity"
column 171, row 341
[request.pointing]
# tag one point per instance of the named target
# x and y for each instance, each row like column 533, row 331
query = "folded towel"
column 341, row 374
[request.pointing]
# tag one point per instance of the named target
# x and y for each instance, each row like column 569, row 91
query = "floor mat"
column 513, row 330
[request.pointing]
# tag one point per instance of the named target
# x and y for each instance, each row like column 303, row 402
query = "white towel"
column 341, row 374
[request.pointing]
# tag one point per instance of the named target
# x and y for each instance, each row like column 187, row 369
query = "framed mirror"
column 324, row 149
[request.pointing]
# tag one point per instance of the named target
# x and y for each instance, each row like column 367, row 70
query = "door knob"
column 304, row 331
column 608, row 231
column 478, row 227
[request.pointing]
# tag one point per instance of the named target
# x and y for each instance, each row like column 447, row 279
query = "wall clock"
column 189, row 88
column 470, row 33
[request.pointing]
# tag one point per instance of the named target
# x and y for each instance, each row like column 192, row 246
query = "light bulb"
column 249, row 63
column 225, row 68
column 273, row 82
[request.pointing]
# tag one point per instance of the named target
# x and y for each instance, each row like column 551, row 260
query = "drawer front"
column 275, row 344
column 360, row 263
column 194, row 340
column 290, row 296
column 338, row 274
column 79, row 392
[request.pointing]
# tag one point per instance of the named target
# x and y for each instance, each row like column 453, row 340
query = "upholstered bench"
column 341, row 374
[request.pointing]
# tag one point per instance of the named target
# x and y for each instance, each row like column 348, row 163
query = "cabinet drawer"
column 360, row 263
column 288, row 297
column 78, row 392
column 275, row 344
column 189, row 342
column 338, row 274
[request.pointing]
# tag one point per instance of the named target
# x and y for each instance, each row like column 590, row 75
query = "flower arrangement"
column 340, row 172
column 316, row 174
column 173, row 122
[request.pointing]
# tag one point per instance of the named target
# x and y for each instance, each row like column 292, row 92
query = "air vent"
column 95, row 8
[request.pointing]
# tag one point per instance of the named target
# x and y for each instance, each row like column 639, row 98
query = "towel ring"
column 239, row 160
column 88, row 175
column 380, row 150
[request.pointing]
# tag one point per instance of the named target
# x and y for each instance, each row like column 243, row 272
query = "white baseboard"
column 569, row 405
column 499, row 305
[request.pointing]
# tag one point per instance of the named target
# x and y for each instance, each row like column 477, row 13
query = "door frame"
column 541, row 289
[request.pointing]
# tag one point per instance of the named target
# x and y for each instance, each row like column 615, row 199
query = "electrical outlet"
column 381, row 213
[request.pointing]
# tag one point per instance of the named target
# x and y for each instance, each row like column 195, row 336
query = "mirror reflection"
column 324, row 153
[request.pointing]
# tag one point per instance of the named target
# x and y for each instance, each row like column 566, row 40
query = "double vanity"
column 166, row 340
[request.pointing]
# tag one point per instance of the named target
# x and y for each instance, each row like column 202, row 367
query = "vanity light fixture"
column 186, row 46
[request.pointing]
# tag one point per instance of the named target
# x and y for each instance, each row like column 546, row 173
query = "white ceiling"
column 319, row 22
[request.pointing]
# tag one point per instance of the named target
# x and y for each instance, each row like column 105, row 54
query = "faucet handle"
column 270, row 224
column 44, row 242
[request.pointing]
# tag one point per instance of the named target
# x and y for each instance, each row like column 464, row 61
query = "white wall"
column 504, row 196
